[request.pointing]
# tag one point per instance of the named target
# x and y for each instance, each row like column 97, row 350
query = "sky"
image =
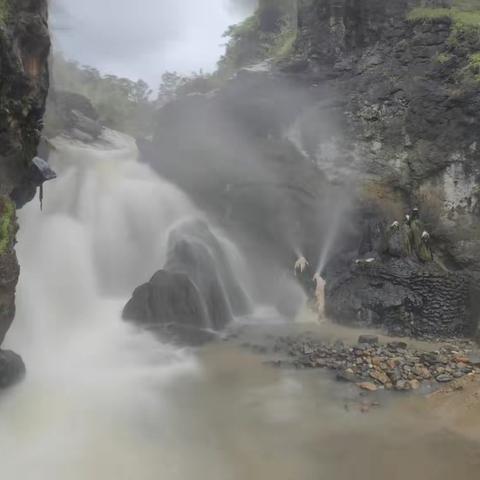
column 144, row 38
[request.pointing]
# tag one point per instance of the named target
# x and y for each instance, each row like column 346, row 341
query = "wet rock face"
column 407, row 122
column 24, row 49
column 394, row 278
column 405, row 297
column 9, row 269
column 407, row 113
column 25, row 44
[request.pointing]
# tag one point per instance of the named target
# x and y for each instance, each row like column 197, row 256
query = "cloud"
column 142, row 39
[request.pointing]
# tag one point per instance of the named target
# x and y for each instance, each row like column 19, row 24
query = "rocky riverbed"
column 369, row 361
column 373, row 365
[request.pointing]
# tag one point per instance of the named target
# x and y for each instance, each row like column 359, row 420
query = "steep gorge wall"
column 24, row 49
column 407, row 106
column 404, row 94
column 371, row 100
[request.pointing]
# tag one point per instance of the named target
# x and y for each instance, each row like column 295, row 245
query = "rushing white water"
column 102, row 233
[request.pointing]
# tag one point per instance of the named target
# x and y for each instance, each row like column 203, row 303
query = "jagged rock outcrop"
column 24, row 48
column 375, row 102
column 25, row 45
column 403, row 296
column 404, row 112
column 197, row 291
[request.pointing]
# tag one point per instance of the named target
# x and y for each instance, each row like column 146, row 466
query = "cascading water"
column 102, row 233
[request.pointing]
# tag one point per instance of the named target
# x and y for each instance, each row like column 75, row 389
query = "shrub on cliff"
column 7, row 224
column 269, row 33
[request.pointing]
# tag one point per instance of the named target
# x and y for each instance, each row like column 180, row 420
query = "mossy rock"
column 4, row 11
column 7, row 224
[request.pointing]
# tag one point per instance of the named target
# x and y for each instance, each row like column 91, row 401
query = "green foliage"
column 284, row 45
column 443, row 58
column 270, row 33
column 4, row 11
column 122, row 104
column 470, row 75
column 474, row 63
column 421, row 14
column 464, row 15
column 464, row 40
column 7, row 224
column 174, row 85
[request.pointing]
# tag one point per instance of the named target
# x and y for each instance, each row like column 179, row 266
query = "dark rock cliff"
column 406, row 87
column 24, row 49
column 372, row 110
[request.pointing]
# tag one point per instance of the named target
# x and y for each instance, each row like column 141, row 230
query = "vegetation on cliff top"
column 464, row 39
column 4, row 10
column 464, row 16
column 122, row 104
column 270, row 32
column 7, row 224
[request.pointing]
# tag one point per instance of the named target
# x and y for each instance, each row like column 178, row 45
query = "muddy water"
column 221, row 413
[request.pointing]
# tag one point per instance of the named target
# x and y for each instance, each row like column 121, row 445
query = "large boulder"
column 198, row 231
column 197, row 291
column 188, row 256
column 171, row 305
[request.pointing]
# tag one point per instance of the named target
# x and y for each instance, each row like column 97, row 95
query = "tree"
column 171, row 83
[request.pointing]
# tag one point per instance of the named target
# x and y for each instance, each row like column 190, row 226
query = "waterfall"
column 101, row 233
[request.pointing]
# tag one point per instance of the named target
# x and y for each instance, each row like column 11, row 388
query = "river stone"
column 397, row 345
column 444, row 378
column 346, row 376
column 474, row 360
column 368, row 339
column 370, row 387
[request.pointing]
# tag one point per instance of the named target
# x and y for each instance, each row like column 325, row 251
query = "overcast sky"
column 144, row 38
